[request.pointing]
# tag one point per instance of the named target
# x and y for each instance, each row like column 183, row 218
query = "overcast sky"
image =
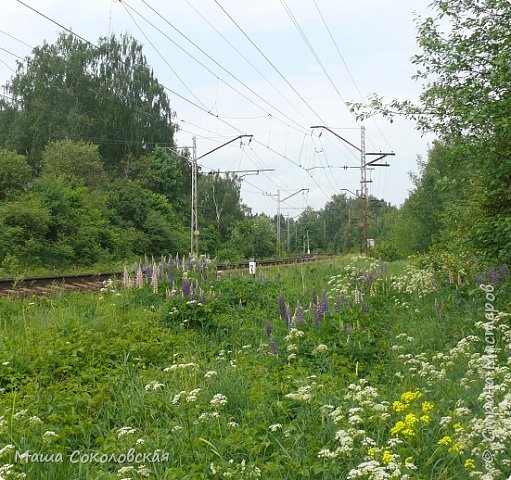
column 257, row 75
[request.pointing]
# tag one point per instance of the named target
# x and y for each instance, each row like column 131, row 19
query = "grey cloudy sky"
column 238, row 90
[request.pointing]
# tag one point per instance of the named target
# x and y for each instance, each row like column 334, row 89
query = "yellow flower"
column 387, row 457
column 456, row 447
column 445, row 440
column 427, row 407
column 409, row 397
column 469, row 463
column 457, row 426
column 398, row 427
column 425, row 419
column 398, row 406
column 411, row 420
column 408, row 432
column 371, row 452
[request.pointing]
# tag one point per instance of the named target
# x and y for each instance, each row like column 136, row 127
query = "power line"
column 56, row 23
column 11, row 53
column 163, row 58
column 315, row 55
column 268, row 60
column 8, row 66
column 362, row 97
column 262, row 75
column 301, row 127
column 17, row 39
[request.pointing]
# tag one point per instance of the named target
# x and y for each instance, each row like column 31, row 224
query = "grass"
column 128, row 384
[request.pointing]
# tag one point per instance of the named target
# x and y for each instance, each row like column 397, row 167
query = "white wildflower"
column 218, row 399
column 275, row 427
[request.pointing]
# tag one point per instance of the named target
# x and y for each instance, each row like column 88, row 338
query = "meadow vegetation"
column 350, row 368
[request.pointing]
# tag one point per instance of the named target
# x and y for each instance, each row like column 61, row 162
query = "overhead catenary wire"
column 56, row 23
column 16, row 38
column 338, row 50
column 252, row 91
column 198, row 106
column 12, row 53
column 269, row 61
column 247, row 60
column 7, row 66
column 163, row 58
column 314, row 54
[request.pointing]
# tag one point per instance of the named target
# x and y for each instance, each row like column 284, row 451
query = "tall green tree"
column 15, row 174
column 103, row 93
column 464, row 65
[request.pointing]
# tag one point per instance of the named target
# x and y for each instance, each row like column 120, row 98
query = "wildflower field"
column 345, row 369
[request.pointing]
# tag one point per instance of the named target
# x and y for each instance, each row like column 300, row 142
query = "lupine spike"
column 324, row 304
column 268, row 329
column 273, row 346
column 139, row 277
column 154, row 279
column 126, row 280
column 185, row 283
column 300, row 318
column 357, row 295
column 282, row 307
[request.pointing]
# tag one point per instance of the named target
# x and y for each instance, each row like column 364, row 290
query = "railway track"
column 42, row 286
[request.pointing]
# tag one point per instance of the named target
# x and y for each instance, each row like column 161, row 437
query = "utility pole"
column 194, row 228
column 363, row 194
column 279, row 201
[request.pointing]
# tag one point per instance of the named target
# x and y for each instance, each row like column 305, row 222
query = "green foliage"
column 252, row 238
column 75, row 90
column 78, row 162
column 461, row 199
column 15, row 174
column 117, row 370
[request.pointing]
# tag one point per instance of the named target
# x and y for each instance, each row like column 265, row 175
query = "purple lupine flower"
column 273, row 346
column 268, row 329
column 202, row 298
column 314, row 297
column 154, row 279
column 282, row 307
column 139, row 280
column 323, row 304
column 357, row 295
column 192, row 294
column 317, row 317
column 300, row 317
column 185, row 283
column 126, row 280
